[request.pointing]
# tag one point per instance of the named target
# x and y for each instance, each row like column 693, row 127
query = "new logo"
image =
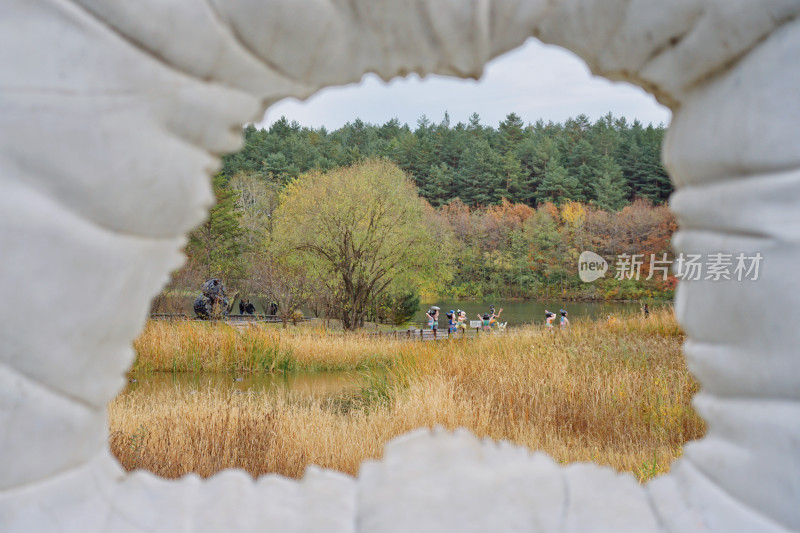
column 591, row 266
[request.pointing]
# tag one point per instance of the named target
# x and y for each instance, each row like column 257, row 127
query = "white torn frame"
column 112, row 116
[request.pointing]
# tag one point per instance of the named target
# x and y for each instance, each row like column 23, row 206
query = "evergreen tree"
column 656, row 185
column 534, row 153
column 481, row 175
column 510, row 133
column 438, row 187
column 557, row 186
column 474, row 126
column 217, row 245
column 582, row 163
column 611, row 191
column 604, row 137
column 278, row 169
column 481, row 163
column 405, row 153
column 512, row 176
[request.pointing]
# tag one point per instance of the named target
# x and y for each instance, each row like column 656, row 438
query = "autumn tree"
column 281, row 281
column 547, row 245
column 257, row 200
column 359, row 229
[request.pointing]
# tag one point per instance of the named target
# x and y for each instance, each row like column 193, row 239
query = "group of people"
column 246, row 307
column 457, row 319
column 550, row 316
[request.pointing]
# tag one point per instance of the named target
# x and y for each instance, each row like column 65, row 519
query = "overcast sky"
column 535, row 81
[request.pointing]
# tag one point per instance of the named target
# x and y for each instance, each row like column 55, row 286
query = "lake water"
column 515, row 312
column 518, row 312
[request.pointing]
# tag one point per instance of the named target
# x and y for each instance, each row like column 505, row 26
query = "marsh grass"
column 615, row 392
column 188, row 346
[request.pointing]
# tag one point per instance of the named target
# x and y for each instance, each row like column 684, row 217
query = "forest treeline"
column 607, row 163
column 359, row 243
column 513, row 250
column 360, row 223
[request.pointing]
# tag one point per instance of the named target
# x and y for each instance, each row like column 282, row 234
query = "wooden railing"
column 228, row 318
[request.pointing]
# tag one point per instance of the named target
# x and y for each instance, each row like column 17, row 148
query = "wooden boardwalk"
column 230, row 319
column 411, row 334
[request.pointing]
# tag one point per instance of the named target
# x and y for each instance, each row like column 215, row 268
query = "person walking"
column 564, row 319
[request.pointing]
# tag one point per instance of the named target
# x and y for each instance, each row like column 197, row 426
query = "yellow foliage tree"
column 573, row 214
column 360, row 229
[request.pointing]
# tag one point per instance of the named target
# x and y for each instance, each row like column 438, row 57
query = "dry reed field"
column 188, row 346
column 614, row 392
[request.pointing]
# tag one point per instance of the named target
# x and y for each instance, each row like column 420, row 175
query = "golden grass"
column 218, row 347
column 616, row 393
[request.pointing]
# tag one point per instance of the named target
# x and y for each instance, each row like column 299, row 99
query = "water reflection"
column 311, row 383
